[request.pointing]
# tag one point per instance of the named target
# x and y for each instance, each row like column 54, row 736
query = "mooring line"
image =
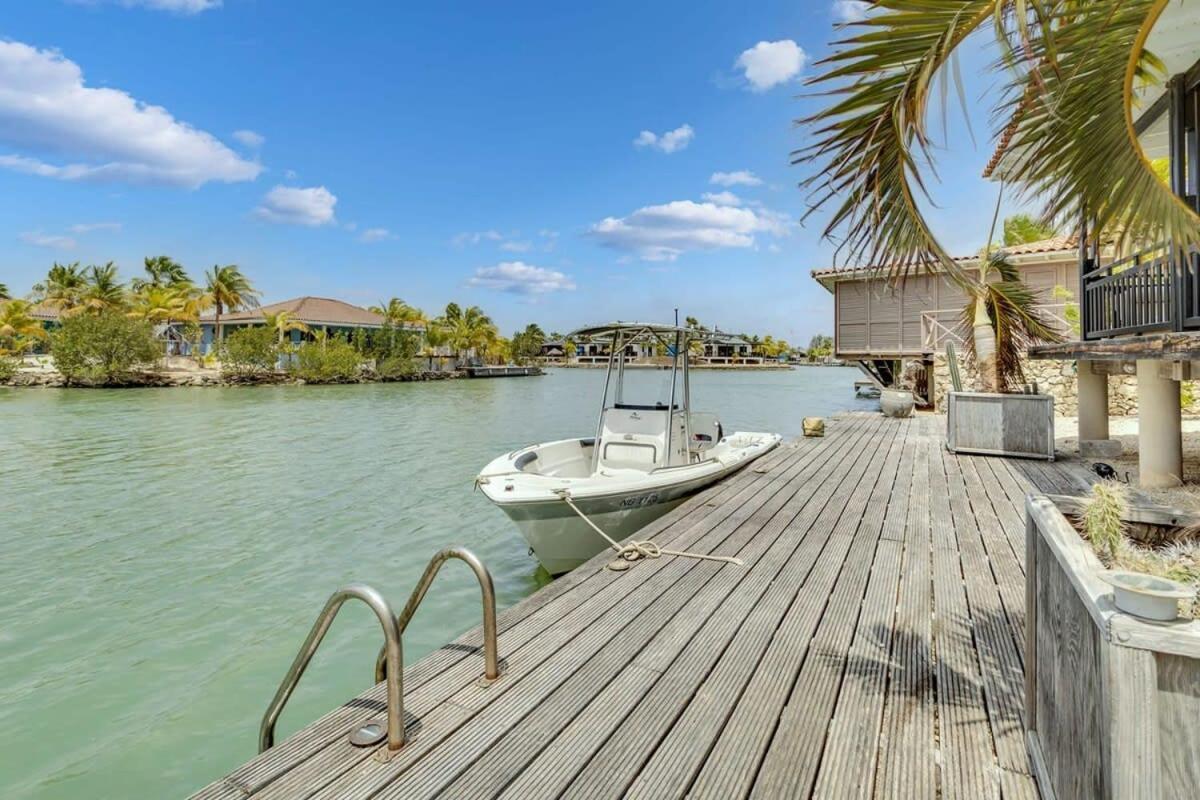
column 635, row 550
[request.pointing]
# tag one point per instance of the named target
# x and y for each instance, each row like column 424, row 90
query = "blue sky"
column 551, row 162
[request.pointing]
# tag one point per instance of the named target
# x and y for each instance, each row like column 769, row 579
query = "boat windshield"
column 631, row 348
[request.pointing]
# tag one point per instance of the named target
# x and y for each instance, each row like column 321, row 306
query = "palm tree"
column 229, row 290
column 400, row 313
column 162, row 271
column 1004, row 319
column 466, row 330
column 102, row 291
column 1066, row 73
column 160, row 304
column 18, row 329
column 4, row 295
column 62, row 288
column 283, row 323
column 498, row 350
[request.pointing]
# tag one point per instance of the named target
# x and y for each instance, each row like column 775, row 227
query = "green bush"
column 247, row 352
column 8, row 368
column 397, row 367
column 334, row 361
column 395, row 351
column 103, row 348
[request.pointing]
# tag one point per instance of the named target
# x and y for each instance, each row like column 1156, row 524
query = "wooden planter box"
column 1000, row 424
column 1112, row 702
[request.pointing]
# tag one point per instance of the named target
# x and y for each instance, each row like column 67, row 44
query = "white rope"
column 634, row 550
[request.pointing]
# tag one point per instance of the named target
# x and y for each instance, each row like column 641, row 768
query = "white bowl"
column 1147, row 596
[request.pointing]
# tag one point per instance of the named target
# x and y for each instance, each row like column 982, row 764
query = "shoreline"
column 176, row 377
column 170, row 379
column 696, row 367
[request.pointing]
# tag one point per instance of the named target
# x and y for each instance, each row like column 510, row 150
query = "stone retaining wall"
column 1056, row 378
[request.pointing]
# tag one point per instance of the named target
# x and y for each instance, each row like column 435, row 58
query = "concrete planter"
column 896, row 403
column 1112, row 702
column 1001, row 424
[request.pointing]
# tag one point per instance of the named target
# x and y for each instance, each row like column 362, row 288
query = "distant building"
column 724, row 348
column 553, row 350
column 335, row 317
column 597, row 352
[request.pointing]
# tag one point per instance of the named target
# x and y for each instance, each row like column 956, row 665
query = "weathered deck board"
column 869, row 647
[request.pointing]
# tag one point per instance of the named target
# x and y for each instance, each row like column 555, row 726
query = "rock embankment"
column 50, row 378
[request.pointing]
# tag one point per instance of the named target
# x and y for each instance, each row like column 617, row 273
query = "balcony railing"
column 1153, row 290
column 945, row 325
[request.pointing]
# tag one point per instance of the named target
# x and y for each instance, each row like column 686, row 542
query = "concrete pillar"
column 1160, row 436
column 1093, row 413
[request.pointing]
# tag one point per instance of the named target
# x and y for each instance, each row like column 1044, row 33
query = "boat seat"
column 633, row 438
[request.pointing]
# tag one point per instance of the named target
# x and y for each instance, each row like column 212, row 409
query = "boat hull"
column 618, row 501
column 561, row 541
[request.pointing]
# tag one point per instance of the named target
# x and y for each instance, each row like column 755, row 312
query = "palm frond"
column 1076, row 144
column 872, row 138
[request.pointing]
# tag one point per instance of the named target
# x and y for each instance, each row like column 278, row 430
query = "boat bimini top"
column 654, row 436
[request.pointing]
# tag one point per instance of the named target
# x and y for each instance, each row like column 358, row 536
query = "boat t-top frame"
column 620, row 335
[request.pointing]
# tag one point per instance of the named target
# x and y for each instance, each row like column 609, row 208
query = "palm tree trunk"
column 985, row 347
column 217, row 326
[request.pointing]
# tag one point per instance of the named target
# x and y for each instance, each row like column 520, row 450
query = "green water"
column 164, row 551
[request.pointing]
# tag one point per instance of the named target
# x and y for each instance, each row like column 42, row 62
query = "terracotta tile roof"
column 41, row 311
column 1052, row 245
column 1006, row 137
column 311, row 311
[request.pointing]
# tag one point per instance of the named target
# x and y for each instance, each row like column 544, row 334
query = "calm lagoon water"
column 164, row 551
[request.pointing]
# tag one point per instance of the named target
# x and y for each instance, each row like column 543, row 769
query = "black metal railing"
column 1156, row 289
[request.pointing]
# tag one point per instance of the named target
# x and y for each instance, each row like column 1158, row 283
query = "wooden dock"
column 870, row 646
column 508, row 371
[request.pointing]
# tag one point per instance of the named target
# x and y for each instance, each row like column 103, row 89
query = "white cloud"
column 250, row 139
column 63, row 241
column 667, row 142
column 769, row 64
column 475, row 237
column 88, row 227
column 105, row 134
column 742, row 177
column 177, row 6
column 516, row 246
column 722, row 198
column 375, row 235
column 664, row 232
column 290, row 174
column 312, row 206
column 517, row 277
column 53, row 241
column 850, row 10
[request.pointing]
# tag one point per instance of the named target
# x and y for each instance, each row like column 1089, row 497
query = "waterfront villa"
column 891, row 330
column 724, row 348
column 1140, row 313
column 335, row 317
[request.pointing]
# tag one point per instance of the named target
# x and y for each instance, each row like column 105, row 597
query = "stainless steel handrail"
column 383, row 667
column 392, row 653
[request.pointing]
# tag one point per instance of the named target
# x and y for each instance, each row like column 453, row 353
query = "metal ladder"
column 389, row 666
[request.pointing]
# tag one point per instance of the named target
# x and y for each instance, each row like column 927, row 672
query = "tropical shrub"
column 332, row 361
column 8, row 368
column 395, row 349
column 250, row 351
column 396, row 368
column 102, row 348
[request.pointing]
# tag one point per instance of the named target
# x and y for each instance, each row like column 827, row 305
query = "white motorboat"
column 644, row 459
